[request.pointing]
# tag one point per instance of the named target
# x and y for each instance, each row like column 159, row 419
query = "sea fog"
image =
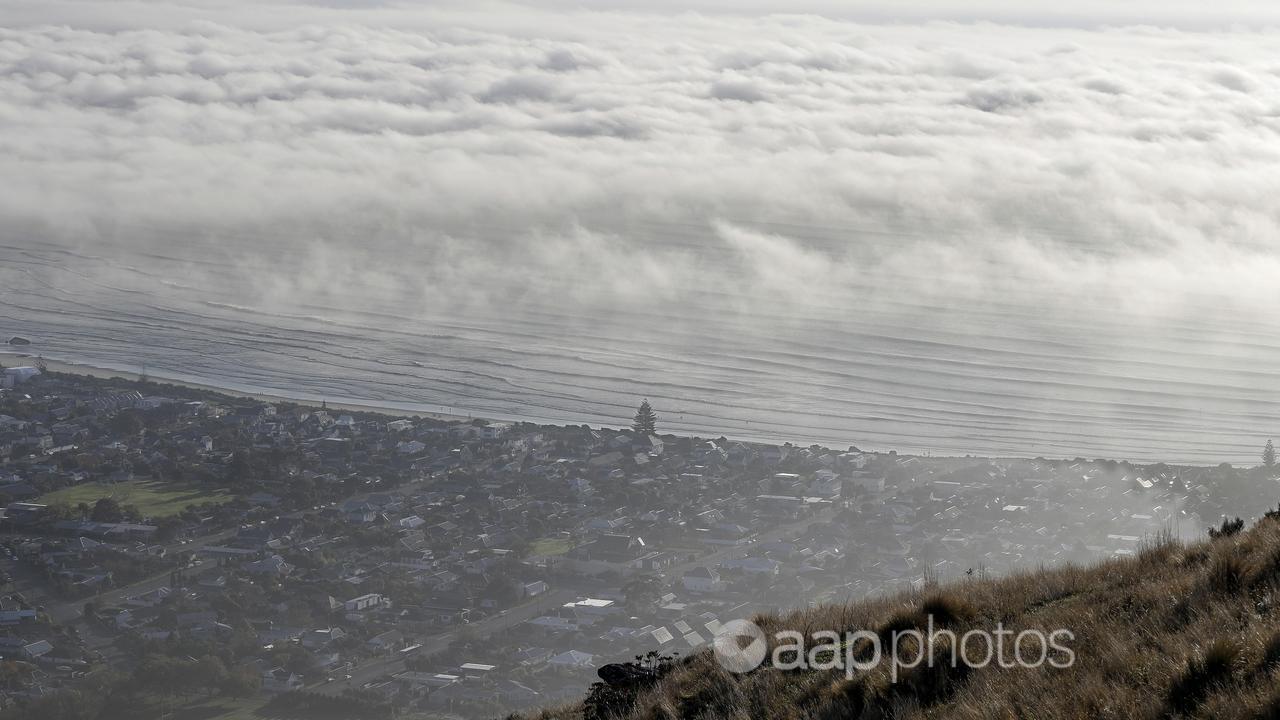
column 943, row 237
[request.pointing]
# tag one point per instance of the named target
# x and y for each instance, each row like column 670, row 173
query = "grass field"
column 152, row 497
column 550, row 546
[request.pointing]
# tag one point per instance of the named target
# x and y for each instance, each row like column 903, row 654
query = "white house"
column 364, row 602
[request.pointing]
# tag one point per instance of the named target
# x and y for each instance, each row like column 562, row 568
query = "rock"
column 19, row 340
column 622, row 674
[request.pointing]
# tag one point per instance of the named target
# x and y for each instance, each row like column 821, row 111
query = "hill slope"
column 1176, row 631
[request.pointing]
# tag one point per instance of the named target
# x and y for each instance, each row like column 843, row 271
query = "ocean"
column 884, row 363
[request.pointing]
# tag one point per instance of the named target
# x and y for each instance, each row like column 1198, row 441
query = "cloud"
column 515, row 89
column 936, row 161
column 998, row 99
column 232, row 123
column 741, row 90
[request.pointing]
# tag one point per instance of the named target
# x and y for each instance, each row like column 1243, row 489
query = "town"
column 166, row 550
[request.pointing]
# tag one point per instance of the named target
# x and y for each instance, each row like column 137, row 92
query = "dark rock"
column 618, row 674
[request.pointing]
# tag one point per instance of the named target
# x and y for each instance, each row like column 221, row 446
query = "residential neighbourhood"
column 434, row 567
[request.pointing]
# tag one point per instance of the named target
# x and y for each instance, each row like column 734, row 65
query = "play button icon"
column 740, row 646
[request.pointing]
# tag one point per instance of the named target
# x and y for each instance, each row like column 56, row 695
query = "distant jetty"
column 19, row 340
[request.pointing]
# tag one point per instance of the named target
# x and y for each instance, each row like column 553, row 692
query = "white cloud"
column 1080, row 139
column 454, row 154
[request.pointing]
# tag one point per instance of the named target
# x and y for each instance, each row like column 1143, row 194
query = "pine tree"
column 645, row 421
column 1268, row 455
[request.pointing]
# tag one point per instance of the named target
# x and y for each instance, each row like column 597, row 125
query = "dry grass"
column 1175, row 632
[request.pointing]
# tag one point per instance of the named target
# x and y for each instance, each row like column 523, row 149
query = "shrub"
column 1228, row 574
column 1204, row 673
column 935, row 681
column 1271, row 653
column 842, row 699
column 1268, row 571
column 947, row 611
column 621, row 682
column 1227, row 529
column 1271, row 710
column 901, row 621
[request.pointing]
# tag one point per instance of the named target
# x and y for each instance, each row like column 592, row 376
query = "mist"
column 1040, row 218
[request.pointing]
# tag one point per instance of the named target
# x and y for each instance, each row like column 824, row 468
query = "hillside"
column 1179, row 630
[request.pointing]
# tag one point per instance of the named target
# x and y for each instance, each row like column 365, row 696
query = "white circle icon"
column 730, row 651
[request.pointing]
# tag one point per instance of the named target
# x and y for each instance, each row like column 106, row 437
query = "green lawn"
column 152, row 497
column 550, row 546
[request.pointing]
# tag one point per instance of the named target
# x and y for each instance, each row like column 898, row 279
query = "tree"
column 645, row 421
column 1269, row 455
column 241, row 682
column 106, row 510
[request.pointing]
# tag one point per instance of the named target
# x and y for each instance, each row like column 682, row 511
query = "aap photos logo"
column 740, row 646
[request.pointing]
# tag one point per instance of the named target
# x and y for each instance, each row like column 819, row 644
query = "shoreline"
column 69, row 368
column 390, row 410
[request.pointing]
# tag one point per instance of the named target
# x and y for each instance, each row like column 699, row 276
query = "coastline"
column 392, row 410
column 71, row 368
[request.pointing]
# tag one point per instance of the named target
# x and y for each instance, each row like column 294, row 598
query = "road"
column 68, row 612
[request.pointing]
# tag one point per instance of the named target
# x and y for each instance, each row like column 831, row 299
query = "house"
column 35, row 650
column 14, row 617
column 702, row 580
column 592, row 606
column 444, row 615
column 410, row 447
column 148, row 599
column 573, row 659
column 514, row 694
column 753, row 565
column 274, row 565
column 360, row 513
column 385, row 642
column 365, row 602
column 277, row 680
column 867, row 482
column 15, row 376
column 24, row 512
column 410, row 522
column 322, row 637
column 475, row 670
column 532, row 655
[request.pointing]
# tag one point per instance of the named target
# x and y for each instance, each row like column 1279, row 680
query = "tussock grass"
column 1177, row 631
column 1211, row 669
